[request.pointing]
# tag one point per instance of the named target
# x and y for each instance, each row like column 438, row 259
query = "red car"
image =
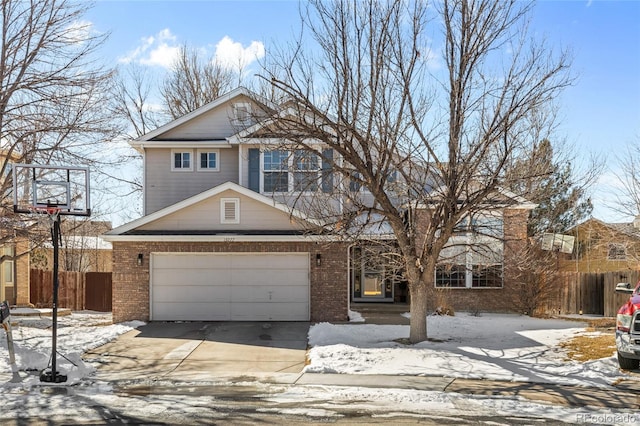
column 628, row 328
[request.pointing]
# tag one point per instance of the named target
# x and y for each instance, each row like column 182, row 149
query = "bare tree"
column 132, row 102
column 431, row 147
column 628, row 177
column 53, row 91
column 193, row 82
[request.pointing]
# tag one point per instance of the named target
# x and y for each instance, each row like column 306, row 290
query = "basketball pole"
column 53, row 376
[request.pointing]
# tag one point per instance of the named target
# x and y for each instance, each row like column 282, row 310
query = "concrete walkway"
column 625, row 395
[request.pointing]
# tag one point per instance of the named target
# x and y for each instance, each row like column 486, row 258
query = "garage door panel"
column 191, row 261
column 271, row 261
column 186, row 293
column 268, row 311
column 230, row 286
column 191, row 277
column 269, row 277
column 258, row 293
column 191, row 311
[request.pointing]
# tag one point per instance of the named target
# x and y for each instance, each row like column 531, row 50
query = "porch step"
column 382, row 313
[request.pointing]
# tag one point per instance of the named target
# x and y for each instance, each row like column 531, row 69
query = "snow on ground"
column 76, row 334
column 489, row 346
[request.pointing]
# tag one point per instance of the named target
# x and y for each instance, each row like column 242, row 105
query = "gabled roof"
column 124, row 229
column 518, row 202
column 626, row 228
column 240, row 91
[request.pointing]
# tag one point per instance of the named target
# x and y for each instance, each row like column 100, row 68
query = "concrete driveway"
column 204, row 351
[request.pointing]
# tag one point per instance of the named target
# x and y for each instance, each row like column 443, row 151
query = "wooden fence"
column 589, row 293
column 77, row 290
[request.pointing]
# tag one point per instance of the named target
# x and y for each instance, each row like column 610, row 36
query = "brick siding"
column 328, row 282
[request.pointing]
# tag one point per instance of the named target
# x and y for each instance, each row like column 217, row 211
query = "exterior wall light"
column 318, row 259
column 140, row 258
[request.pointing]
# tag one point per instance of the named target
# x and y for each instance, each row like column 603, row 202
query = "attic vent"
column 229, row 210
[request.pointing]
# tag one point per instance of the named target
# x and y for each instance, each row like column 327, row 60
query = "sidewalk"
column 626, row 395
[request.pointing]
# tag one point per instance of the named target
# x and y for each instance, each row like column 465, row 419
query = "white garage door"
column 230, row 286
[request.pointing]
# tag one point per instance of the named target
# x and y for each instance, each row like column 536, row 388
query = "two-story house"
column 228, row 232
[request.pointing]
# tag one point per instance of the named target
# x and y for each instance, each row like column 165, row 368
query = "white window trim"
column 206, row 151
column 291, row 173
column 181, row 169
column 468, row 239
column 223, row 203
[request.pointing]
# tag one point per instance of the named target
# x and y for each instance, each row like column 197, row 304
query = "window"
column 354, row 182
column 181, row 160
column 448, row 275
column 208, row 160
column 298, row 170
column 473, row 256
column 306, row 169
column 229, row 210
column 7, row 271
column 242, row 112
column 7, row 265
column 617, row 252
column 486, row 275
column 276, row 171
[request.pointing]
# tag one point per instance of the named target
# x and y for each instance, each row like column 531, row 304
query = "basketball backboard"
column 37, row 187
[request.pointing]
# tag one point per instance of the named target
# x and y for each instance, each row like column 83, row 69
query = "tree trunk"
column 418, row 309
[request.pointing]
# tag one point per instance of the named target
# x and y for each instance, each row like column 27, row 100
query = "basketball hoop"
column 51, row 212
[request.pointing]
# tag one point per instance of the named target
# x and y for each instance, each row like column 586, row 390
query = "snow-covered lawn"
column 488, row 346
column 77, row 333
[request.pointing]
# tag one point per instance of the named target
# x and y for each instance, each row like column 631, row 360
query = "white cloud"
column 232, row 54
column 159, row 50
column 79, row 31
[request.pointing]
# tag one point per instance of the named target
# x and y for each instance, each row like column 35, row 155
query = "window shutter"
column 327, row 173
column 254, row 169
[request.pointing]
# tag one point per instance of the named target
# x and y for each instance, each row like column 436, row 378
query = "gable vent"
column 229, row 210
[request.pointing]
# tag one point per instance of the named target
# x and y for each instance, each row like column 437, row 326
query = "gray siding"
column 164, row 187
column 216, row 124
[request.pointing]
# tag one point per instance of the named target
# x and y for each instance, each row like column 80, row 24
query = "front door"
column 371, row 277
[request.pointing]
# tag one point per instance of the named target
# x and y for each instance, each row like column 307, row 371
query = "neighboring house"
column 604, row 247
column 81, row 247
column 14, row 268
column 220, row 240
column 14, row 250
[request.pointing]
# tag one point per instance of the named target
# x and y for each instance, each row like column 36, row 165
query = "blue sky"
column 600, row 114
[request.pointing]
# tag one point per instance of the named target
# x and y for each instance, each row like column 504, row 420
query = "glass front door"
column 369, row 280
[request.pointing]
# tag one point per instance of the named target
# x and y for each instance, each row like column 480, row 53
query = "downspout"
column 349, row 294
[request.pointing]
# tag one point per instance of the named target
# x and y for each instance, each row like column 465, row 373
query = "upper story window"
column 285, row 171
column 181, row 160
column 275, row 167
column 208, row 160
column 355, row 182
column 306, row 166
column 617, row 252
column 242, row 112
